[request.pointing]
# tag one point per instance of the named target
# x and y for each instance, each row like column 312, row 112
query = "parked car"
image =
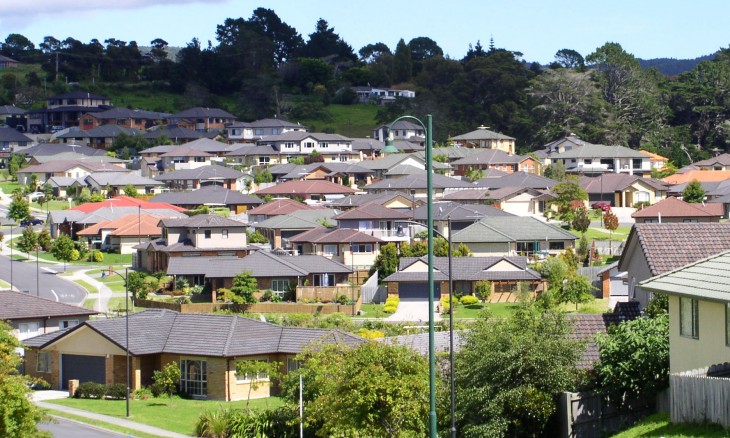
column 31, row 222
column 35, row 196
column 601, row 205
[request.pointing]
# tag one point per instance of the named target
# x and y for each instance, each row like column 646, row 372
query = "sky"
column 537, row 28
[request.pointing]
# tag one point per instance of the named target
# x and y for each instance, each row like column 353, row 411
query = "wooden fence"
column 319, row 308
column 701, row 395
column 327, row 294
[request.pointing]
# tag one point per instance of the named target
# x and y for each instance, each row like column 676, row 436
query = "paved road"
column 63, row 428
column 24, row 279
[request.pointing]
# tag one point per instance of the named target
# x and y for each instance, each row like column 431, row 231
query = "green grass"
column 52, row 206
column 173, row 414
column 9, row 186
column 619, row 234
column 90, row 303
column 373, row 311
column 109, row 259
column 658, row 425
column 596, row 306
column 89, row 288
column 100, row 424
column 349, row 120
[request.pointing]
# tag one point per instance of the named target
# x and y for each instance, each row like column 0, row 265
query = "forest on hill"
column 262, row 67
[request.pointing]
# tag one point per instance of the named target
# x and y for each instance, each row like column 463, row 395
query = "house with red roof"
column 277, row 207
column 675, row 210
column 125, row 201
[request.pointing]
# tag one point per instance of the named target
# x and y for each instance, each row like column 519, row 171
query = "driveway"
column 413, row 311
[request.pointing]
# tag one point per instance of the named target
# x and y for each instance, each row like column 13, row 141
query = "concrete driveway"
column 413, row 311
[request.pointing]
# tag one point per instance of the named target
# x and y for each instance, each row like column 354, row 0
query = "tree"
column 131, row 191
column 136, row 283
column 386, row 262
column 415, row 249
column 508, row 378
column 244, row 286
column 325, row 42
column 16, row 46
column 19, row 415
column 17, row 162
column 581, row 221
column 372, row 52
column 19, row 208
column 402, row 63
column 583, row 249
column 63, row 249
column 576, row 290
column 693, row 192
column 256, row 372
column 569, row 58
column 167, row 379
column 555, row 271
column 28, row 241
column 634, row 360
column 374, row 390
column 566, row 193
column 474, row 174
column 610, row 222
column 555, row 171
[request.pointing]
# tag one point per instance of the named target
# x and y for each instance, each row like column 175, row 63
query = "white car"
column 35, row 195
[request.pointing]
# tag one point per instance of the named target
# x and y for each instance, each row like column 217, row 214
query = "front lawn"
column 52, row 206
column 174, row 414
column 597, row 233
column 658, row 425
column 110, row 259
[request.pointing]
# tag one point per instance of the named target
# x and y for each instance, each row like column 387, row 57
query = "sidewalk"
column 128, row 424
column 105, row 293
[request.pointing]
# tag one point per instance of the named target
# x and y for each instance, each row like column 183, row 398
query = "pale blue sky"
column 645, row 28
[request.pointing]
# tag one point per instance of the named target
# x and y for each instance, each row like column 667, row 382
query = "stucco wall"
column 687, row 353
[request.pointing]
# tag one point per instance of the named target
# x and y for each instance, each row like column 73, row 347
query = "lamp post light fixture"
column 428, row 128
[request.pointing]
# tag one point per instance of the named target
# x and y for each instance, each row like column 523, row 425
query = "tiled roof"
column 722, row 159
column 707, row 279
column 267, row 123
column 280, row 206
column 18, row 305
column 65, row 165
column 372, row 211
column 103, row 131
column 699, row 175
column 467, row 269
column 200, row 112
column 669, row 246
column 418, row 182
column 310, row 187
column 210, row 146
column 46, row 149
column 482, row 134
column 208, row 195
column 334, row 235
column 517, row 179
column 253, row 150
column 11, row 109
column 490, row 156
column 599, row 151
column 614, row 182
column 212, row 172
column 126, row 113
column 458, row 212
column 259, row 264
column 420, row 341
column 511, row 229
column 201, row 221
column 298, row 220
column 117, row 179
column 468, row 195
column 125, row 201
column 301, row 135
column 129, row 225
column 673, row 207
column 165, row 331
column 367, row 198
column 12, row 135
column 367, row 144
column 184, row 151
column 177, row 133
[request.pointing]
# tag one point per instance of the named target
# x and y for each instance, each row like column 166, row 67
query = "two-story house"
column 496, row 159
column 65, row 111
column 387, row 224
column 248, row 131
column 313, row 190
column 203, row 119
column 333, row 147
column 350, row 247
column 124, row 117
column 596, row 159
column 482, row 137
column 400, row 130
column 191, row 179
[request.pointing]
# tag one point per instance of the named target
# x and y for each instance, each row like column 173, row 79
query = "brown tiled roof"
column 279, row 207
column 613, row 182
column 673, row 207
column 334, row 235
column 128, row 225
column 670, row 246
column 372, row 210
column 17, row 305
column 309, row 187
column 699, row 175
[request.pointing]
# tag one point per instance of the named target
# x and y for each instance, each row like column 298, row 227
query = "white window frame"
column 43, row 362
column 262, row 377
column 308, row 144
column 280, row 285
column 26, row 331
column 188, row 383
column 224, row 233
column 330, row 249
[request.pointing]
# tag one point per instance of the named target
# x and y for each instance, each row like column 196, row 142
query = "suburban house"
column 211, row 196
column 10, row 138
column 496, row 159
column 183, row 158
column 674, row 210
column 247, row 131
column 381, row 95
column 596, row 159
column 12, row 116
column 101, row 137
column 368, row 148
column 114, row 183
column 350, row 247
column 521, row 201
column 385, row 223
column 387, row 162
column 416, row 185
column 95, row 351
column 514, row 235
column 720, row 162
column 203, row 119
column 657, row 161
column 278, row 229
column 291, row 144
column 6, row 62
column 30, row 316
column 347, row 174
column 482, row 137
column 313, row 190
column 277, row 207
column 191, row 179
column 176, row 134
column 65, row 111
column 460, row 215
column 395, row 200
column 78, row 169
column 516, row 179
column 622, row 189
column 203, row 235
column 614, row 284
column 123, row 234
column 124, row 117
column 504, row 274
column 400, row 130
column 281, row 274
column 257, row 155
column 654, row 249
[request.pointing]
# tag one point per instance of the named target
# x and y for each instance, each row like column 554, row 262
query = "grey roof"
column 334, row 235
column 200, row 112
column 420, row 341
column 517, row 179
column 367, row 144
column 74, row 156
column 103, row 131
column 245, row 151
column 301, row 135
column 373, row 211
column 121, row 179
column 62, row 181
column 599, row 151
column 212, row 172
column 467, row 269
column 201, row 221
column 92, row 164
column 165, row 331
column 404, row 169
column 511, row 229
column 12, row 135
column 210, row 146
column 458, row 212
column 614, row 182
column 11, row 109
column 259, row 264
column 18, row 305
column 208, row 195
column 46, row 149
column 159, row 149
column 366, row 198
column 482, row 134
column 388, row 161
column 126, row 113
column 267, row 123
column 175, row 133
column 298, row 220
column 418, row 182
column 705, row 279
column 490, row 156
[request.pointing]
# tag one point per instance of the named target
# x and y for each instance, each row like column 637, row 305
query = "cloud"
column 13, row 9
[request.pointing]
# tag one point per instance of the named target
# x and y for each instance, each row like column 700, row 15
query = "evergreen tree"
column 693, row 192
column 402, row 63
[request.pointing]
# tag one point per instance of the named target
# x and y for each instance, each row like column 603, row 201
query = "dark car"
column 31, row 222
column 601, row 205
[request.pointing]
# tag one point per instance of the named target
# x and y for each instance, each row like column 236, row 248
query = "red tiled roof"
column 125, row 201
column 128, row 225
column 699, row 175
column 281, row 206
column 309, row 187
column 673, row 207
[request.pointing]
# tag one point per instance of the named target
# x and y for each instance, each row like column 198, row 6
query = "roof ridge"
column 231, row 329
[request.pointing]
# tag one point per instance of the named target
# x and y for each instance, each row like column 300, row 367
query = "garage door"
column 417, row 291
column 82, row 368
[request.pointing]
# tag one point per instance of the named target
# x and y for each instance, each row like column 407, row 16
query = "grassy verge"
column 110, row 259
column 90, row 303
column 172, row 414
column 658, row 425
column 100, row 424
column 619, row 234
column 599, row 305
column 52, row 206
column 89, row 288
column 373, row 311
column 9, row 186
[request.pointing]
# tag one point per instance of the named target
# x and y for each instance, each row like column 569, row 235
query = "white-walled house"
column 243, row 131
column 596, row 158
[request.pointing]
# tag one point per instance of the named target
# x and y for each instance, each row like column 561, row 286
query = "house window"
column 690, row 221
column 280, row 285
column 68, row 323
column 324, row 145
column 556, row 246
column 258, row 131
column 636, row 163
column 259, row 376
column 362, row 248
column 689, row 318
column 329, row 250
column 651, row 221
column 292, row 365
column 43, row 362
column 224, row 233
column 289, row 145
column 309, row 144
column 324, row 280
column 27, row 330
column 264, row 161
column 276, row 131
column 207, row 234
column 194, row 377
column 505, row 287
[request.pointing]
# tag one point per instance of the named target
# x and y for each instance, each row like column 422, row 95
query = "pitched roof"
column 184, row 151
column 699, row 175
column 103, row 131
column 418, row 182
column 55, row 166
column 124, row 201
column 673, row 207
column 259, row 264
column 309, row 187
column 467, row 269
column 669, row 246
column 128, row 225
column 212, row 172
column 366, row 198
column 517, row 179
column 280, row 206
column 174, row 132
column 18, row 305
column 334, row 235
column 126, row 113
column 707, row 278
column 372, row 211
column 200, row 112
column 166, row 331
column 614, row 182
column 419, row 342
column 298, row 220
column 589, row 150
column 46, row 149
column 201, row 221
column 511, row 229
column 12, row 135
column 208, row 195
column 722, row 159
column 458, row 212
column 482, row 133
column 490, row 156
column 117, row 179
column 267, row 123
column 12, row 109
column 301, row 135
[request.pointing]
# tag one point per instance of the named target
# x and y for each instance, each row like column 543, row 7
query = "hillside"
column 673, row 67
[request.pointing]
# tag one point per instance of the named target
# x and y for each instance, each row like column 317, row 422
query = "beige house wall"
column 710, row 349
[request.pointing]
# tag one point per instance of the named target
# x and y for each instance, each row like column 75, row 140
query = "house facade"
column 482, row 137
column 596, row 159
column 248, row 131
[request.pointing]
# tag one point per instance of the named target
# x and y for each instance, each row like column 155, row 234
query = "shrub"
column 389, row 308
column 75, row 255
column 342, row 299
column 183, row 299
column 181, row 283
column 370, row 334
column 142, row 394
column 276, row 298
column 164, row 282
column 97, row 256
column 196, row 290
column 268, row 295
column 117, row 391
column 166, row 379
column 483, row 290
column 90, row 390
column 446, row 306
column 469, row 299
column 392, row 300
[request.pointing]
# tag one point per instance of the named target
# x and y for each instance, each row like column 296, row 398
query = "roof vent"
column 482, row 127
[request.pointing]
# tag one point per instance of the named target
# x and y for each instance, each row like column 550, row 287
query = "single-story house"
column 674, row 210
column 211, row 196
column 123, row 234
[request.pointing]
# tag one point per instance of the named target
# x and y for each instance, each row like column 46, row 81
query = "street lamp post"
column 10, row 244
column 428, row 128
column 126, row 306
column 451, row 335
column 37, row 277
